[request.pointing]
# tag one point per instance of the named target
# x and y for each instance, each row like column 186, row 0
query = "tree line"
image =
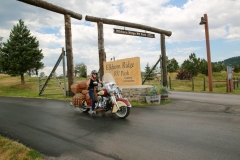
column 191, row 67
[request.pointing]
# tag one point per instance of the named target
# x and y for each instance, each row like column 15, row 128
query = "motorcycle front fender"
column 121, row 102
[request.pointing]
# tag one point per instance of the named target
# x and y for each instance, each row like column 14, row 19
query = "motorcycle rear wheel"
column 84, row 108
column 123, row 112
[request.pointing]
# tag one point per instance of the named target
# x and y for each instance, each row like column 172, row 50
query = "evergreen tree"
column 147, row 70
column 21, row 53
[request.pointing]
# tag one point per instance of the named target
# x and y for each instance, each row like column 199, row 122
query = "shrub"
column 183, row 75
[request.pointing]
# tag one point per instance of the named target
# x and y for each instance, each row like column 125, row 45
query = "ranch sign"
column 133, row 33
column 125, row 71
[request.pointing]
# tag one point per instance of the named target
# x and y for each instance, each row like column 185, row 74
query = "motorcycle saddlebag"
column 77, row 100
column 82, row 85
column 75, row 88
column 85, row 92
column 79, row 87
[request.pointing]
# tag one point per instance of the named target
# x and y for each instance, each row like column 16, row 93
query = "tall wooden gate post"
column 164, row 60
column 68, row 39
column 68, row 34
column 102, row 54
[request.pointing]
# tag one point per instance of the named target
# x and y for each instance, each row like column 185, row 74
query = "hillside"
column 230, row 61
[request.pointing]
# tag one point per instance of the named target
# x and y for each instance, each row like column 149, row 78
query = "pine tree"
column 147, row 70
column 21, row 53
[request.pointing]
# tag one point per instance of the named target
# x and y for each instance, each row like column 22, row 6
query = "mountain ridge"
column 233, row 61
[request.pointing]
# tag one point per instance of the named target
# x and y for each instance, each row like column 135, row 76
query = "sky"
column 181, row 17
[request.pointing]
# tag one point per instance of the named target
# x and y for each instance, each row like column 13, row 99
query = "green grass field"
column 219, row 83
column 11, row 150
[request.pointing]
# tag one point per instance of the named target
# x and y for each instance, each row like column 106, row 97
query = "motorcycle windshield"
column 108, row 79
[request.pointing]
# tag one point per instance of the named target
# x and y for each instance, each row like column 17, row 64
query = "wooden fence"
column 201, row 84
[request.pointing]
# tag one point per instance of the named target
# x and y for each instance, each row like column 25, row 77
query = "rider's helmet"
column 94, row 72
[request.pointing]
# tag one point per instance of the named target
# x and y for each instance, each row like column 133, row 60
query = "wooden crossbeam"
column 52, row 7
column 127, row 24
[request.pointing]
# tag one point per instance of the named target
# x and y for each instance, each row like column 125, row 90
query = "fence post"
column 204, row 84
column 237, row 82
column 234, row 83
column 192, row 84
column 227, row 85
column 170, row 83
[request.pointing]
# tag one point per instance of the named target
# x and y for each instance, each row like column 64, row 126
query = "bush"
column 183, row 75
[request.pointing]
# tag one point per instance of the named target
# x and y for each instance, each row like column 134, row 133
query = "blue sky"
column 178, row 3
column 182, row 17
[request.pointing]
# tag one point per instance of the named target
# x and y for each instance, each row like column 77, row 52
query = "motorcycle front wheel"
column 123, row 112
column 84, row 108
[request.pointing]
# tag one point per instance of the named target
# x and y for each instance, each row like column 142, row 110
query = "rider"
column 92, row 82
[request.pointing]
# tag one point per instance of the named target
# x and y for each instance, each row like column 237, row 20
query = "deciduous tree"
column 80, row 70
column 237, row 69
column 172, row 65
column 204, row 67
column 192, row 65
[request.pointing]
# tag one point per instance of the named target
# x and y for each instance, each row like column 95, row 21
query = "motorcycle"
column 108, row 97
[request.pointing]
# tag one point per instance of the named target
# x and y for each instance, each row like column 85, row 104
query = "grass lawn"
column 17, row 151
column 197, row 85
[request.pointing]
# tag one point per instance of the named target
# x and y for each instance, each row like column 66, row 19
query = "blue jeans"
column 91, row 94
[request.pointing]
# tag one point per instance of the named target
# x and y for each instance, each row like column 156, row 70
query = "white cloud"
column 234, row 33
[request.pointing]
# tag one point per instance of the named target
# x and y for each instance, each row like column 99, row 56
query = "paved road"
column 180, row 130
